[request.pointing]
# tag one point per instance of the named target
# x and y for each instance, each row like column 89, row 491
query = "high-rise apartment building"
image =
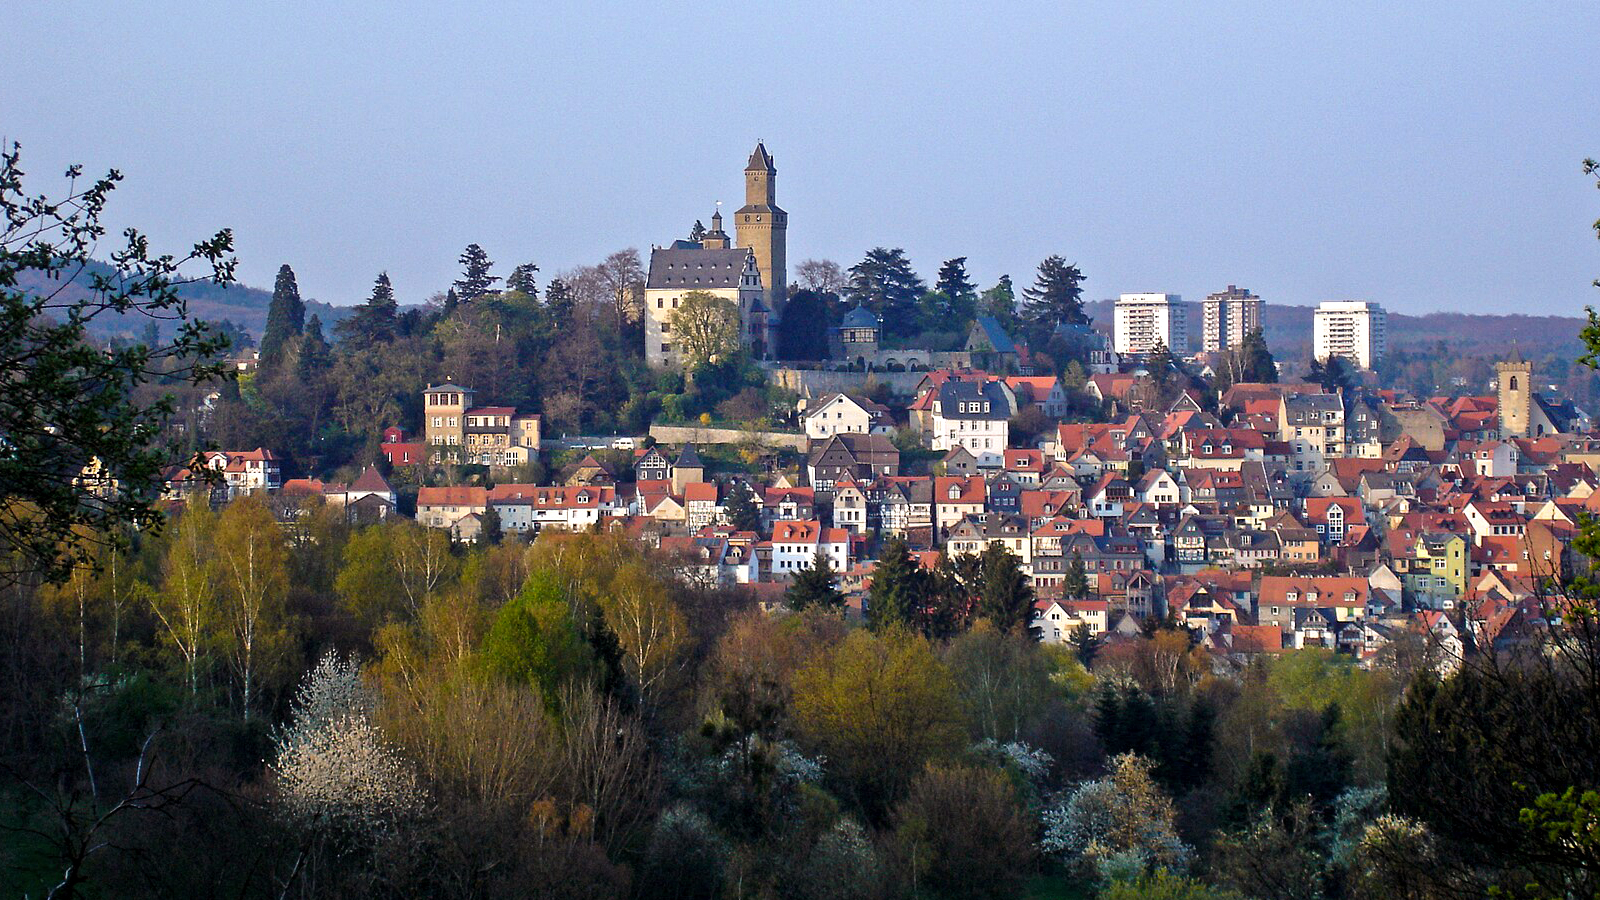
column 1229, row 315
column 1354, row 329
column 1145, row 320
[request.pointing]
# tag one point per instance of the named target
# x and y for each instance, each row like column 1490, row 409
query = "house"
column 990, row 347
column 906, row 509
column 650, row 464
column 972, row 536
column 442, row 507
column 700, row 506
column 974, row 415
column 955, row 497
column 1043, row 391
column 850, row 506
column 528, row 508
column 795, row 545
column 1345, row 597
column 861, row 457
column 249, row 471
column 1313, row 426
column 779, row 503
column 833, row 414
column 399, row 451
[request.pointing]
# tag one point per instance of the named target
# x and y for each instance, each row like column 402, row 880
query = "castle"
column 752, row 275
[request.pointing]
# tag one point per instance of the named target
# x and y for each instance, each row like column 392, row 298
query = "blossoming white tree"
column 1122, row 818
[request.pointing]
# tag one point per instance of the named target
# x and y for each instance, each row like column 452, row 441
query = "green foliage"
column 898, row 587
column 534, row 640
column 1056, row 298
column 286, row 319
column 963, row 834
column 803, row 332
column 1163, row 885
column 954, row 284
column 1004, row 596
column 72, row 405
column 741, row 508
column 475, row 280
column 885, row 283
column 814, row 587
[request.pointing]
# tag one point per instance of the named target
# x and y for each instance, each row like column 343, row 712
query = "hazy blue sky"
column 1309, row 151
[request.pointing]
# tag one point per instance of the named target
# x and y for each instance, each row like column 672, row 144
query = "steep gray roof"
column 952, row 394
column 695, row 268
column 996, row 334
column 688, row 458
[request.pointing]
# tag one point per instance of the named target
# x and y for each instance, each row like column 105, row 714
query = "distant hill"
column 1288, row 330
column 245, row 306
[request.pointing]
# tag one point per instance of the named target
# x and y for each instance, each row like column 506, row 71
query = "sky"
column 1425, row 156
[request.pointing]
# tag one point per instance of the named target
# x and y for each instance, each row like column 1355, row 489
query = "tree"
column 1075, row 584
column 1004, row 595
column 879, row 707
column 1056, row 298
column 650, row 628
column 315, row 358
column 954, row 284
column 698, row 232
column 186, row 604
column 254, row 579
column 1333, row 374
column 391, row 569
column 1085, row 645
column 81, row 457
column 963, row 833
column 1000, row 302
column 803, row 332
column 706, row 327
column 1124, row 813
column 1255, row 363
column 741, row 508
column 898, row 587
column 621, row 277
column 814, row 587
column 559, row 301
column 522, row 280
column 885, row 283
column 286, row 319
column 820, row 276
column 535, row 641
column 374, row 321
column 475, row 280
column 1001, row 681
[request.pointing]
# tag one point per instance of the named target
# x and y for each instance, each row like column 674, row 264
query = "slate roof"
column 860, row 317
column 695, row 268
column 688, row 458
column 955, row 393
column 997, row 335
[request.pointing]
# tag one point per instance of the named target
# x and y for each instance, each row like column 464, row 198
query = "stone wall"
column 812, row 383
column 703, row 434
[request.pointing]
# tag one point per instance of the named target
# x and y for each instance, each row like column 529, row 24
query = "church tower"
column 763, row 228
column 1515, row 396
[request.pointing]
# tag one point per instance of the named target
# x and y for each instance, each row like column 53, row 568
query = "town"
column 1154, row 487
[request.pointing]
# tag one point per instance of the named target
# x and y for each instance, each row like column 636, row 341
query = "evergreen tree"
column 286, row 319
column 559, row 301
column 698, row 232
column 898, row 587
column 814, row 587
column 373, row 321
column 1085, row 645
column 315, row 358
column 1107, row 715
column 522, row 280
column 1005, row 597
column 954, row 284
column 741, row 508
column 803, row 333
column 885, row 283
column 1255, row 359
column 1000, row 302
column 1075, row 585
column 1056, row 298
column 491, row 533
column 948, row 611
column 475, row 279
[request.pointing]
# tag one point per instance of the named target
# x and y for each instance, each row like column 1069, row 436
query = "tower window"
column 1513, row 382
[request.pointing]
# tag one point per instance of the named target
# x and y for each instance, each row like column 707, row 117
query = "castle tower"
column 716, row 238
column 762, row 227
column 1515, row 396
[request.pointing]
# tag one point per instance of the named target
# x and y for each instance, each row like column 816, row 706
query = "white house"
column 833, row 414
column 795, row 545
column 974, row 415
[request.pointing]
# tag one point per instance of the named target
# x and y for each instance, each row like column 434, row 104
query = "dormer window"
column 1292, row 597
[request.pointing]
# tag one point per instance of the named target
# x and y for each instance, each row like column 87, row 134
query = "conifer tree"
column 1076, row 583
column 522, row 280
column 475, row 279
column 815, row 587
column 954, row 283
column 741, row 508
column 1085, row 645
column 1056, row 296
column 698, row 232
column 897, row 589
column 1000, row 302
column 885, row 283
column 286, row 319
column 559, row 301
column 314, row 358
column 373, row 321
column 1004, row 596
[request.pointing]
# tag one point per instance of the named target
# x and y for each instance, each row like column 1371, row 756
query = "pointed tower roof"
column 688, row 458
column 760, row 159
